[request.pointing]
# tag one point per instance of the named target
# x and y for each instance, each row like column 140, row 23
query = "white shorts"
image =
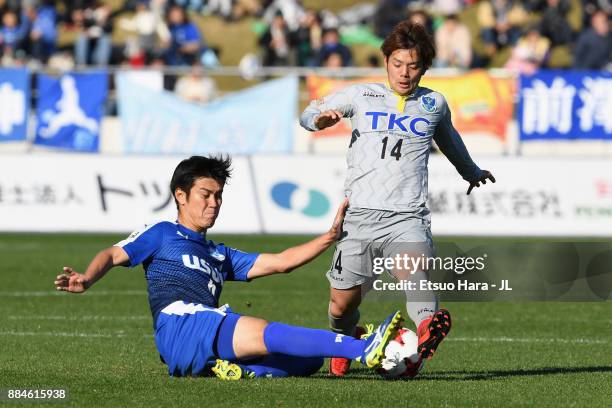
column 371, row 233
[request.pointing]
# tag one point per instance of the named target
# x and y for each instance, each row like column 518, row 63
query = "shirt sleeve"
column 340, row 101
column 142, row 244
column 238, row 264
column 449, row 141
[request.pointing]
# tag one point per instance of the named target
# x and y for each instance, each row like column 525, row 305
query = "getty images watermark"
column 488, row 270
column 411, row 276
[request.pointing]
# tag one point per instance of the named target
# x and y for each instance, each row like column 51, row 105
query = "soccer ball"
column 401, row 356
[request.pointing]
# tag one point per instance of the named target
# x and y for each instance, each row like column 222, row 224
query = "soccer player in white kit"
column 386, row 184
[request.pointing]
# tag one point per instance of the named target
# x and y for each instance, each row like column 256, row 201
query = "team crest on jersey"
column 217, row 255
column 428, row 103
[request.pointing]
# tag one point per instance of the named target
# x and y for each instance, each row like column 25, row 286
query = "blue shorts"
column 185, row 336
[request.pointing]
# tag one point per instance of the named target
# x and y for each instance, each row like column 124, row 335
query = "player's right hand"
column 328, row 118
column 336, row 229
column 71, row 281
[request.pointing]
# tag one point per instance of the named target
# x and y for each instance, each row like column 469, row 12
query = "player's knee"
column 338, row 308
column 249, row 336
column 252, row 323
column 342, row 305
column 261, row 327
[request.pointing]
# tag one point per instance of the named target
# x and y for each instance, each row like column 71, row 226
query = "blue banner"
column 70, row 110
column 562, row 105
column 260, row 119
column 14, row 104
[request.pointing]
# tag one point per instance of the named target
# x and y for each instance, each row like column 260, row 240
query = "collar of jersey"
column 401, row 99
column 191, row 233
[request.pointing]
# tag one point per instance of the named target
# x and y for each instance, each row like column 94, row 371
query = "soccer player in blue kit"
column 185, row 273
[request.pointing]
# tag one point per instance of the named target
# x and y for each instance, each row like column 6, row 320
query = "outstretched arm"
column 294, row 257
column 325, row 112
column 72, row 281
column 450, row 143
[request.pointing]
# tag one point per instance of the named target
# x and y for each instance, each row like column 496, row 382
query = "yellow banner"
column 478, row 102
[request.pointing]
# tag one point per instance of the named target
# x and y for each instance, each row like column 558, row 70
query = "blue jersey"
column 182, row 265
column 185, row 33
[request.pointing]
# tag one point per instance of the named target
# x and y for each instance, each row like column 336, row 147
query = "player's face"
column 404, row 70
column 200, row 210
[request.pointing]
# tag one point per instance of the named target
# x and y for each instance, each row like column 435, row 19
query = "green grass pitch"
column 100, row 347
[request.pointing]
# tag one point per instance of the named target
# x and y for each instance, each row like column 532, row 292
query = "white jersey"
column 389, row 149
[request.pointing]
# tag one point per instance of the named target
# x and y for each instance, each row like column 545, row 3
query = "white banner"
column 300, row 194
column 66, row 192
column 532, row 196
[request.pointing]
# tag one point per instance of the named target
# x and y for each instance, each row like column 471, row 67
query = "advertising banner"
column 106, row 194
column 14, row 104
column 300, row 194
column 256, row 120
column 70, row 110
column 565, row 105
column 532, row 197
column 479, row 102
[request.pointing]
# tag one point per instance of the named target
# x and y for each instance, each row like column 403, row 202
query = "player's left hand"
column 336, row 229
column 486, row 175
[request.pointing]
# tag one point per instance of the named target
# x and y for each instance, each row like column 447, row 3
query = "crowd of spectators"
column 161, row 31
column 528, row 29
column 27, row 29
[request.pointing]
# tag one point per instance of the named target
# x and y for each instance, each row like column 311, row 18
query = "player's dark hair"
column 189, row 170
column 407, row 35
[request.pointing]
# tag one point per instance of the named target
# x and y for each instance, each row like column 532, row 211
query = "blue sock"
column 280, row 365
column 302, row 342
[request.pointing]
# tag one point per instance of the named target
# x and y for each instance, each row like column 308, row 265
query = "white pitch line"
column 5, row 246
column 527, row 340
column 59, row 334
column 68, row 334
column 79, row 318
column 94, row 292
